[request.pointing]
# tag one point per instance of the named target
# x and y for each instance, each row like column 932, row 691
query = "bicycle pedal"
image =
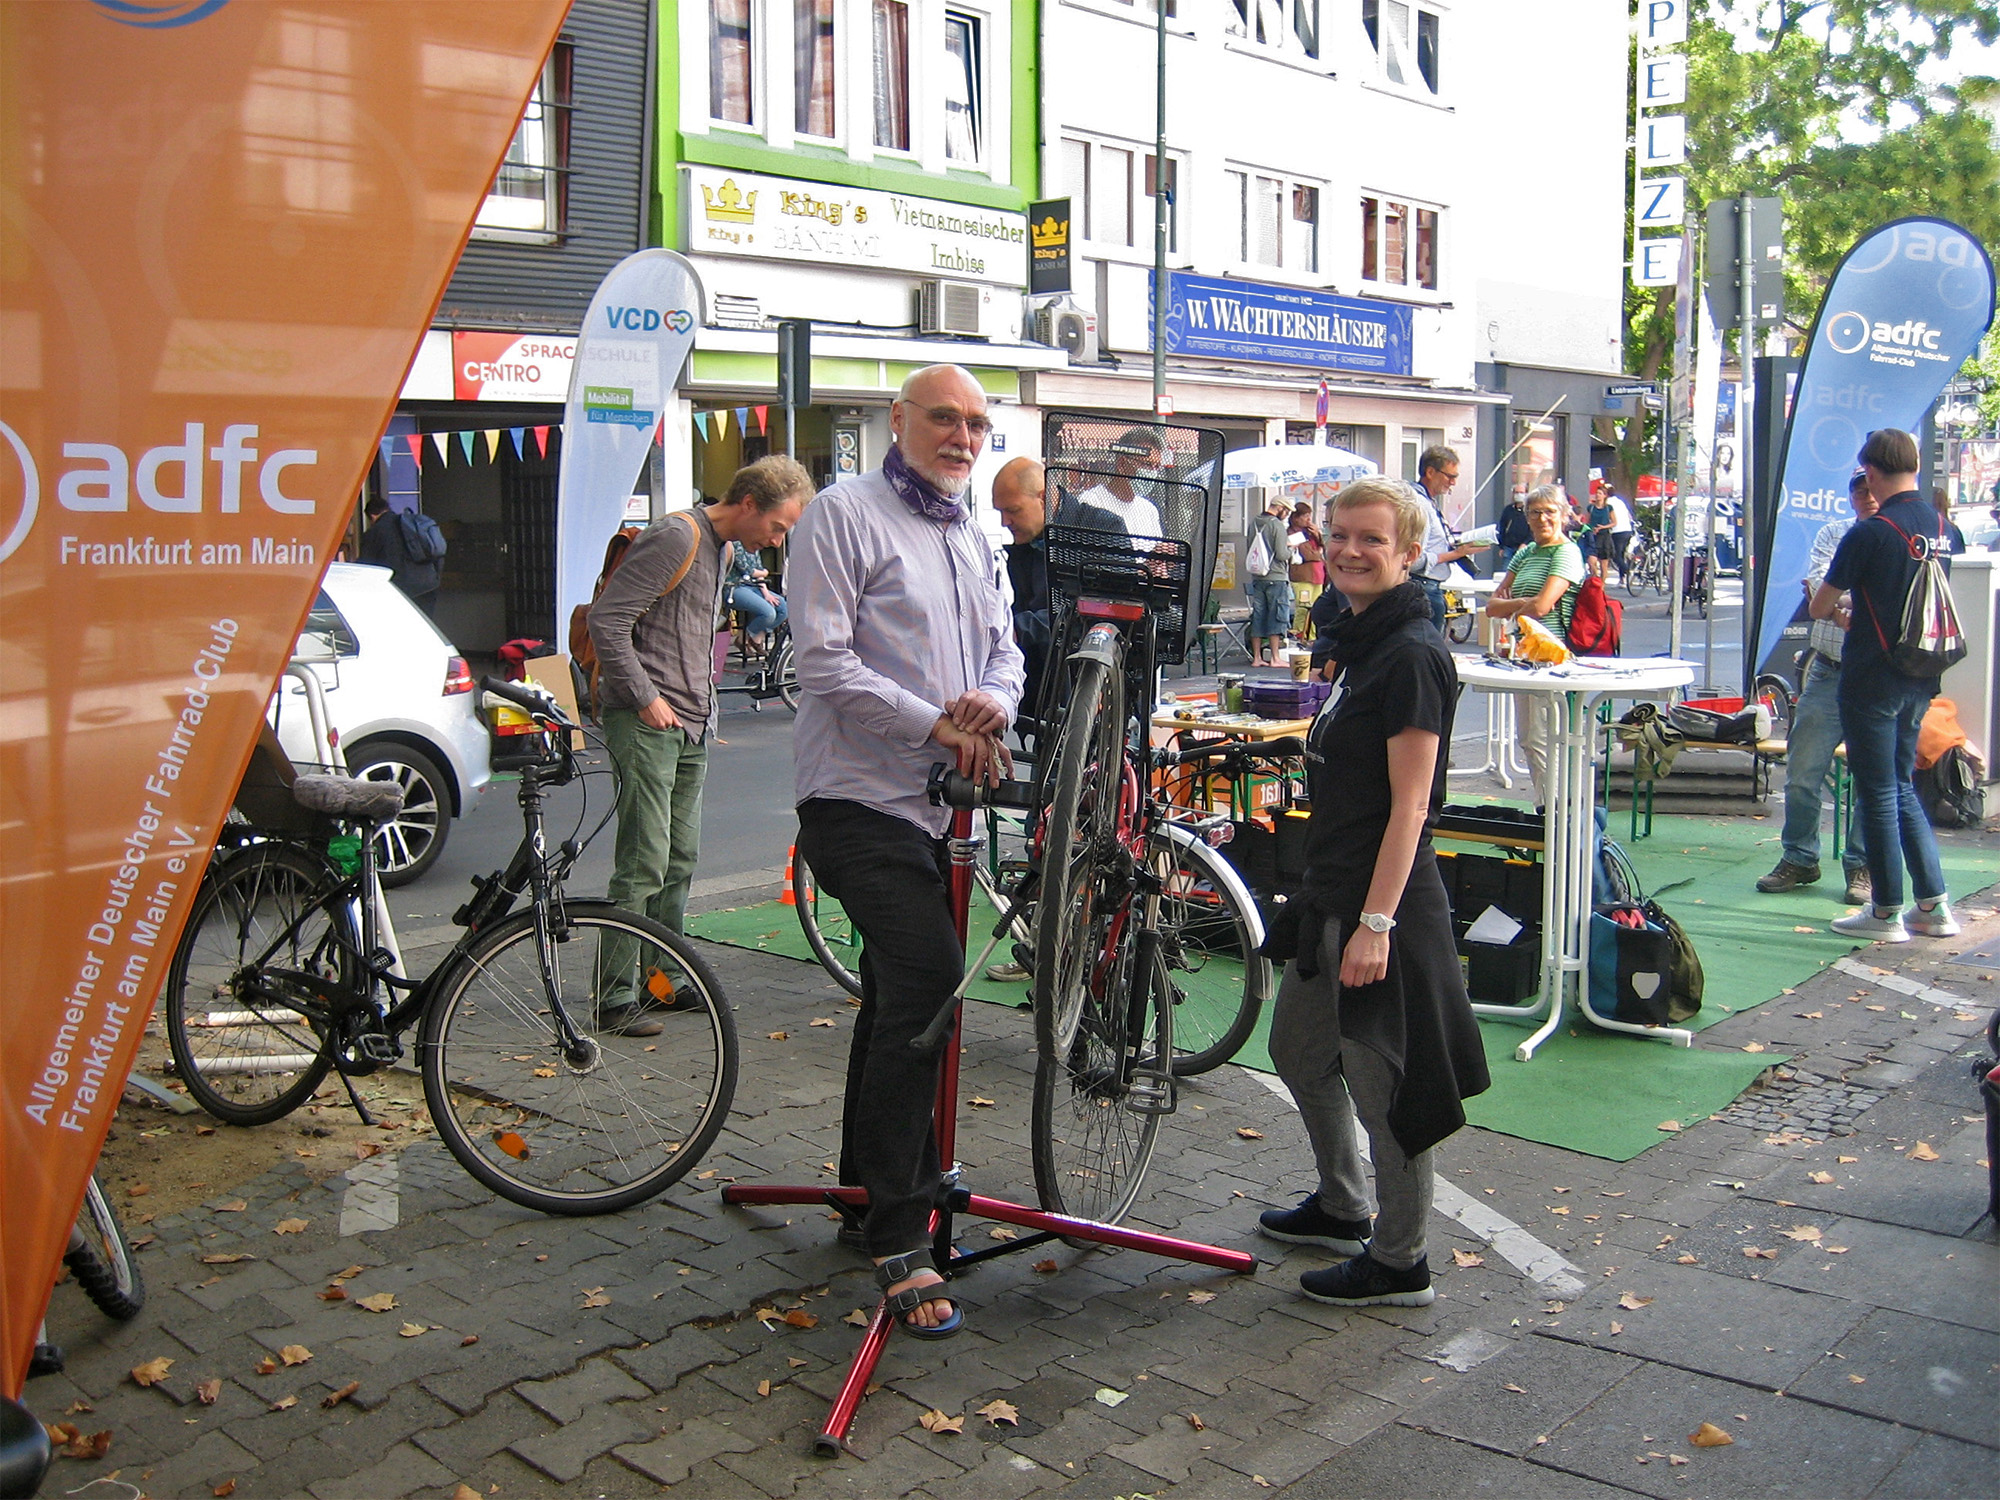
column 1152, row 1092
column 377, row 1046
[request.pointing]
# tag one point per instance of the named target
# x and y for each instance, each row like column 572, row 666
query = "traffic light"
column 1723, row 283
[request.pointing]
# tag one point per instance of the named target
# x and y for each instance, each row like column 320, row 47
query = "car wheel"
column 409, row 845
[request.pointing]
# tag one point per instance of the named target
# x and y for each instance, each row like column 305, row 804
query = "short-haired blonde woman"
column 1372, row 1018
column 1542, row 580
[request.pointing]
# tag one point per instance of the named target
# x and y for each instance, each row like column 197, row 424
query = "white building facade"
column 1421, row 202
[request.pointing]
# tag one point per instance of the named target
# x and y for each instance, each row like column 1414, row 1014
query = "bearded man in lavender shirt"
column 906, row 658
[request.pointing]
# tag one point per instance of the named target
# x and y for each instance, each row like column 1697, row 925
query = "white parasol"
column 1283, row 464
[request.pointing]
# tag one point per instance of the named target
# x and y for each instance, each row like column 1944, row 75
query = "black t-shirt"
column 1407, row 682
column 1873, row 564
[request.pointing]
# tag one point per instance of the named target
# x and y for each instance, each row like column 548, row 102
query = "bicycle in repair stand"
column 287, row 970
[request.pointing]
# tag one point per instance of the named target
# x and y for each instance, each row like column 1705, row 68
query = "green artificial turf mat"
column 1599, row 1093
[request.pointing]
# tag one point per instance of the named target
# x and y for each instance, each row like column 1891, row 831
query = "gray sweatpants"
column 1331, row 1085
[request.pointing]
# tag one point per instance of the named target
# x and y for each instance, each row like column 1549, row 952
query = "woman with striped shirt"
column 1542, row 580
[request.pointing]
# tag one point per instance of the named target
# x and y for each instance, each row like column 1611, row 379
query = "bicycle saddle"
column 349, row 797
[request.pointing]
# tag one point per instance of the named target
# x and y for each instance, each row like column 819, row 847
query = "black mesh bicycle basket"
column 1135, row 512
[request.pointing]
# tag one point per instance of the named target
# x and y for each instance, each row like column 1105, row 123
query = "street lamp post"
column 1160, row 191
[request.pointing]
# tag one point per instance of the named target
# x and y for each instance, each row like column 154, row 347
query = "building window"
column 1111, row 195
column 1111, row 191
column 1302, row 249
column 1292, row 25
column 729, row 90
column 1278, row 221
column 1399, row 245
column 892, row 75
column 530, row 192
column 963, row 73
column 1405, row 39
column 813, row 67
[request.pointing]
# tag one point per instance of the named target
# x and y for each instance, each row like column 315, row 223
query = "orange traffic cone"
column 785, row 896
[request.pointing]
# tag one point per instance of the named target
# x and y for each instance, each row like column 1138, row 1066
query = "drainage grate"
column 1802, row 1101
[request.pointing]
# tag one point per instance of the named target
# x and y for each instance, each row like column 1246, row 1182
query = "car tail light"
column 457, row 676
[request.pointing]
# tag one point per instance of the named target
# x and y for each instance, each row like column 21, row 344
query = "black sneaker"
column 1309, row 1224
column 1786, row 876
column 631, row 1020
column 1366, row 1282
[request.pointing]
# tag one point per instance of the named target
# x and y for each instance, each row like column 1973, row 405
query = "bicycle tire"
column 785, row 674
column 1090, row 1151
column 231, row 1058
column 612, row 1124
column 1458, row 627
column 1639, row 574
column 100, row 1258
column 1776, row 694
column 1205, row 914
column 835, row 943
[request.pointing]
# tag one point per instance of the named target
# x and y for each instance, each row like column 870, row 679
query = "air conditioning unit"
column 1065, row 326
column 951, row 307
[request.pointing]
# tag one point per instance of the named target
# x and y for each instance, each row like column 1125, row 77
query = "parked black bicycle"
column 763, row 674
column 531, row 1077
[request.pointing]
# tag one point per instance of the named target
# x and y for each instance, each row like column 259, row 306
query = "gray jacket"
column 652, row 644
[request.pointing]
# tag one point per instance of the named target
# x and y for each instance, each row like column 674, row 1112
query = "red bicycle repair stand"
column 832, row 1437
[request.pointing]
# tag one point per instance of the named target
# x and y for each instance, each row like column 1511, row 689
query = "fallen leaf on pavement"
column 1922, row 1151
column 1805, row 929
column 1751, row 1252
column 763, row 1387
column 334, row 1293
column 1003, row 1232
column 284, row 1403
column 70, row 1441
column 413, row 1330
column 380, row 1302
column 468, row 1341
column 207, row 1391
column 937, row 1421
column 1616, row 1329
column 859, row 1318
column 1753, row 1046
column 778, row 1036
column 1708, row 1435
column 289, row 1226
column 225, row 1260
column 824, row 1021
column 138, row 1190
column 1687, row 1260
column 1046, row 1267
column 1822, row 1178
column 152, row 1372
column 1668, row 1125
column 1201, row 1295
column 797, row 1364
column 1847, row 1158
column 1810, row 1015
column 233, row 1206
column 334, row 1398
column 225, row 1489
column 1676, row 1459
column 1195, row 1421
column 1857, row 1380
column 295, row 1354
column 1632, row 1302
column 1805, row 1234
column 465, row 1492
column 77, row 1406
column 1467, row 1258
column 349, row 1274
column 798, row 1317
column 365, row 1149
column 997, row 1412
column 1834, row 1249
column 979, row 1103
column 1106, row 1396
column 1519, row 1390
column 266, row 1365
column 1248, row 1134
column 593, row 1296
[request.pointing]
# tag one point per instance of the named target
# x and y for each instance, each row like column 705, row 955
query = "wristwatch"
column 1374, row 921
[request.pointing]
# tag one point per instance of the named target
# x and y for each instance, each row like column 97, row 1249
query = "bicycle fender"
column 1101, row 643
column 1226, row 873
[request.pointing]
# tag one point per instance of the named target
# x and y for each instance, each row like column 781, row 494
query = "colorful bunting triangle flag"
column 442, row 441
column 701, row 424
column 416, row 442
column 542, row 440
column 763, row 418
column 465, row 444
column 387, row 447
column 743, row 420
column 516, row 434
column 492, row 445
column 721, row 415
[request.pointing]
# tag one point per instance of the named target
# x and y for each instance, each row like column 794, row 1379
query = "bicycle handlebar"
column 538, row 702
column 949, row 789
column 1287, row 748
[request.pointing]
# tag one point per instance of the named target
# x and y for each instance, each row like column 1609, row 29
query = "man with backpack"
column 1884, row 692
column 410, row 545
column 653, row 627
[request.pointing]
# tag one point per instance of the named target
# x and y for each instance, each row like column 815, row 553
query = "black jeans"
column 893, row 880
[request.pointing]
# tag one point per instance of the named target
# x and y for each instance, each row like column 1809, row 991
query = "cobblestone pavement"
column 1591, row 1315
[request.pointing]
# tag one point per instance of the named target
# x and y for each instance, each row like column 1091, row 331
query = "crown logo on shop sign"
column 729, row 204
column 1051, row 233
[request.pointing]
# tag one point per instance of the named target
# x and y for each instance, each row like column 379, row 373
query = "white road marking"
column 1540, row 1263
column 1916, row 990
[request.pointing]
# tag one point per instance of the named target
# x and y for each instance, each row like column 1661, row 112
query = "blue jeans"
column 1270, row 607
column 1808, row 760
column 1433, row 591
column 759, row 613
column 1880, row 711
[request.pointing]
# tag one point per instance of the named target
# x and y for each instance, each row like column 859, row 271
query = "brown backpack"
column 582, row 649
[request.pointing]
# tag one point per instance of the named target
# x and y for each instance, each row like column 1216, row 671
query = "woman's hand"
column 1365, row 958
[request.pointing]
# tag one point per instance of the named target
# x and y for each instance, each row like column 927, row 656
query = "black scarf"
column 1346, row 636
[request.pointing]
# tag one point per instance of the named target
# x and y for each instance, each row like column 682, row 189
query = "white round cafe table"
column 1570, row 837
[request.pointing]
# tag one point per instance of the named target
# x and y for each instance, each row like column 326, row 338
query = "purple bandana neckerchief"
column 917, row 492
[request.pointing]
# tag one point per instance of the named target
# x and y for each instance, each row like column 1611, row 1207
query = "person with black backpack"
column 410, row 545
column 1884, row 690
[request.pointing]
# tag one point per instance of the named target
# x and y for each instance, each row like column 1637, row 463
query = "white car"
column 402, row 706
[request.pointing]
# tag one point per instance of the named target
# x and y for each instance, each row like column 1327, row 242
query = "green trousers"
column 659, row 816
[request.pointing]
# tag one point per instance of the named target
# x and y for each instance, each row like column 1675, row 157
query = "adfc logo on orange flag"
column 227, row 224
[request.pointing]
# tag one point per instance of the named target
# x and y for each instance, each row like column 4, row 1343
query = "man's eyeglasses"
column 950, row 419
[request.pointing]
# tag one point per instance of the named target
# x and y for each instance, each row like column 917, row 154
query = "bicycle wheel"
column 1209, row 934
column 1458, row 627
column 256, row 951
column 785, row 674
column 1775, row 693
column 610, row 1121
column 101, row 1259
column 829, row 931
column 1639, row 575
